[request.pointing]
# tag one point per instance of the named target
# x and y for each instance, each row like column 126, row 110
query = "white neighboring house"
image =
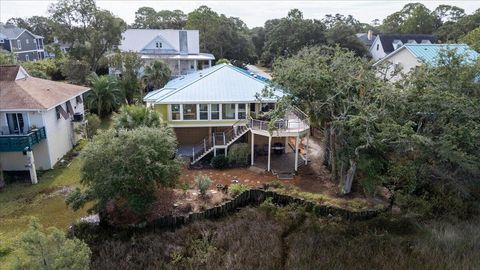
column 179, row 49
column 385, row 44
column 37, row 113
column 410, row 56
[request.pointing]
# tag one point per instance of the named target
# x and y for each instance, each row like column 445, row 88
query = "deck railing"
column 18, row 142
column 293, row 120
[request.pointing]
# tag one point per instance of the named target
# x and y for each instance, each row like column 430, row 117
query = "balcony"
column 294, row 122
column 16, row 143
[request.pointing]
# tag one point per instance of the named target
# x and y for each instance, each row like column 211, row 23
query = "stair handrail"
column 209, row 142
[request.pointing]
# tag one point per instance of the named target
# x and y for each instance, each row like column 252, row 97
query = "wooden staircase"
column 219, row 140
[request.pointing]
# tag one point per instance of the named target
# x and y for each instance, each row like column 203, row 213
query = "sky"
column 253, row 13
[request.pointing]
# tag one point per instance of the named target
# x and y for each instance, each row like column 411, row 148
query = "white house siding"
column 60, row 133
column 377, row 54
column 406, row 60
column 15, row 161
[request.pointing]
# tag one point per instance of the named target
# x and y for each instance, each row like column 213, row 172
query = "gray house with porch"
column 24, row 44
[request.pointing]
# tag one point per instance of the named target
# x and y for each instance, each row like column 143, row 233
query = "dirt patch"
column 192, row 201
column 228, row 177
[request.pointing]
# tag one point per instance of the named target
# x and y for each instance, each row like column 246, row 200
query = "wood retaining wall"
column 252, row 197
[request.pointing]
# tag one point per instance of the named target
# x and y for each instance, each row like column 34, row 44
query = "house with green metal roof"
column 214, row 108
column 410, row 56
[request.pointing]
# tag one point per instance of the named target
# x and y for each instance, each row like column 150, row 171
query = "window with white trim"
column 189, row 111
column 27, row 41
column 228, row 111
column 203, row 108
column 158, row 44
column 175, row 111
column 19, row 44
column 27, row 57
column 242, row 111
column 214, row 111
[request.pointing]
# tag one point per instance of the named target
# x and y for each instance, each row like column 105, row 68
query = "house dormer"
column 159, row 43
column 411, row 41
column 426, row 41
column 397, row 44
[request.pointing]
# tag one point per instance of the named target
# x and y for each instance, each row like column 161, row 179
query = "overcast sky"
column 253, row 13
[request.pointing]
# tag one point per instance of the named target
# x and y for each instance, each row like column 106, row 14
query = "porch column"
column 296, row 152
column 306, row 149
column 226, row 150
column 252, row 150
column 195, row 64
column 179, row 68
column 269, row 151
column 214, row 151
column 209, row 63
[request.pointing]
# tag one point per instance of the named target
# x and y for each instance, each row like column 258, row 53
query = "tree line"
column 419, row 137
column 230, row 38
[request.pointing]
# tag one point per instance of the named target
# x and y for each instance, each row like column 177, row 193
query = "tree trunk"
column 326, row 146
column 333, row 153
column 347, row 184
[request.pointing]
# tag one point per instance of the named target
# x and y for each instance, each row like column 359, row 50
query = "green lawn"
column 45, row 201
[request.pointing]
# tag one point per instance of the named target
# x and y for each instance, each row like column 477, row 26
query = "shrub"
column 76, row 71
column 133, row 116
column 38, row 74
column 219, row 162
column 92, row 124
column 45, row 69
column 52, row 250
column 128, row 164
column 185, row 187
column 203, row 182
column 236, row 189
column 223, row 61
column 238, row 154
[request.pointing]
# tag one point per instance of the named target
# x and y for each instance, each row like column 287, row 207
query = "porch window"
column 242, row 111
column 203, row 111
column 19, row 44
column 189, row 111
column 175, row 108
column 228, row 111
column 215, row 111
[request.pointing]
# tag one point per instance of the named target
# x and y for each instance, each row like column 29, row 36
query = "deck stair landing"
column 219, row 140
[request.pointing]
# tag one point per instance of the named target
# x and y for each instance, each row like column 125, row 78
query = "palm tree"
column 105, row 94
column 156, row 75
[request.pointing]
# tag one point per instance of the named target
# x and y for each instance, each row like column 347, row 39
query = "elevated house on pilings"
column 37, row 116
column 212, row 109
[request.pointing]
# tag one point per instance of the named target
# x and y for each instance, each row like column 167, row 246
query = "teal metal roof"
column 429, row 53
column 220, row 83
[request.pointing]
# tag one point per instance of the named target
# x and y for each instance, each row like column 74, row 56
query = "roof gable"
column 166, row 46
column 19, row 91
column 220, row 83
column 137, row 39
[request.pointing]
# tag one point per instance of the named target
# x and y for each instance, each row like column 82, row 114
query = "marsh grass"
column 271, row 237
